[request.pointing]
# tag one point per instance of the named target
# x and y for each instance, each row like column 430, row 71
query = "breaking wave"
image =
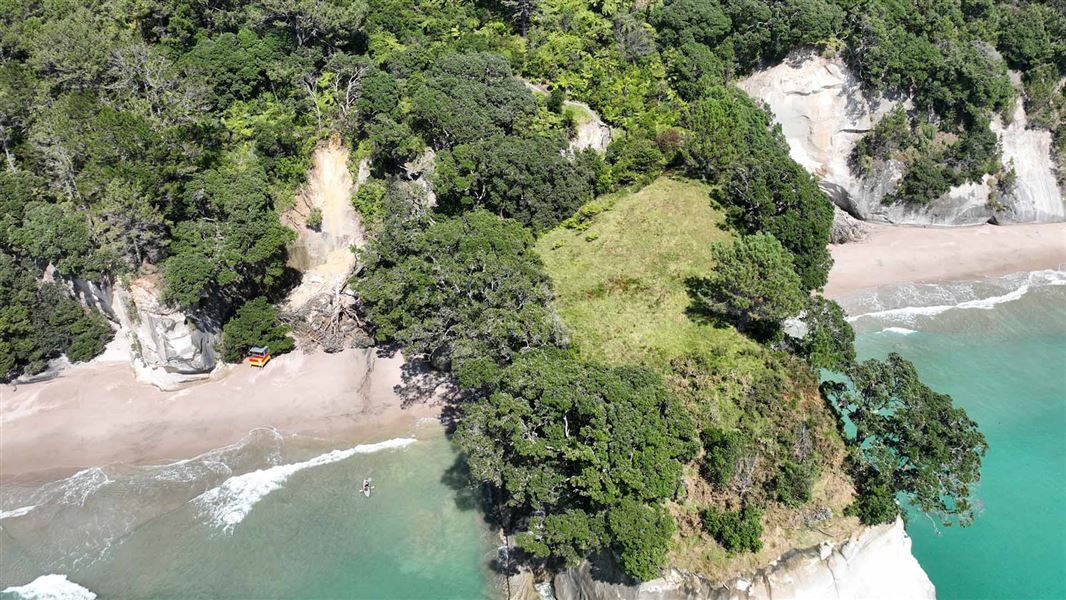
column 16, row 512
column 228, row 504
column 50, row 587
column 897, row 330
column 907, row 302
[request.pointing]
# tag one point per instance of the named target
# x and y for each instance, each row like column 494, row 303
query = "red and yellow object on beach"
column 258, row 356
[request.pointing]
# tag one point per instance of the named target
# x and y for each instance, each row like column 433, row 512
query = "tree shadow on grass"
column 699, row 311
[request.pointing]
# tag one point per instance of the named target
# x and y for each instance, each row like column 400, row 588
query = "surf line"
column 228, row 504
column 1035, row 279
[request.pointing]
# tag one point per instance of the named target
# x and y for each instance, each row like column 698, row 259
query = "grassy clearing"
column 620, row 281
column 619, row 269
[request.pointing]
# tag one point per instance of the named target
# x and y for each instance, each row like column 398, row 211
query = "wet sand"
column 97, row 413
column 892, row 255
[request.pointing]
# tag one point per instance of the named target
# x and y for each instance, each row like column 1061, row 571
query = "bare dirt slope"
column 324, row 255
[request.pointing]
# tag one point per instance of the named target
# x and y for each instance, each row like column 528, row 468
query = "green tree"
column 828, row 341
column 469, row 97
column 468, row 291
column 530, row 180
column 642, row 536
column 754, row 282
column 567, row 444
column 912, row 437
column 58, row 234
column 40, row 321
column 237, row 246
column 739, row 531
column 772, row 194
column 255, row 324
column 681, row 22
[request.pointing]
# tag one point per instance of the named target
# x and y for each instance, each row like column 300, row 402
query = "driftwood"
column 329, row 320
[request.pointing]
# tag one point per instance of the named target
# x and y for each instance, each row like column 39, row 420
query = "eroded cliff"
column 873, row 564
column 824, row 112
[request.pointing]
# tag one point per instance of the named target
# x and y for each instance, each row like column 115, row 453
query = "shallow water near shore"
column 998, row 346
column 269, row 517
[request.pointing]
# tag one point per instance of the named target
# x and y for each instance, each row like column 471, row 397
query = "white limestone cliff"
column 1037, row 197
column 873, row 564
column 166, row 346
column 823, row 113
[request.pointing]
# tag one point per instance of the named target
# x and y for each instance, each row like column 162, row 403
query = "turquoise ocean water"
column 277, row 517
column 269, row 517
column 999, row 348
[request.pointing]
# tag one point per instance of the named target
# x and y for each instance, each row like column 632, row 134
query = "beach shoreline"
column 892, row 255
column 97, row 413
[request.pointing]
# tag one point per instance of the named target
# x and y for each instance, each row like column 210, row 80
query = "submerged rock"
column 824, row 112
column 875, row 563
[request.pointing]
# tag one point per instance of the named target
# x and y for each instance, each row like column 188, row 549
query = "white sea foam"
column 1035, row 279
column 16, row 512
column 79, row 486
column 227, row 505
column 898, row 330
column 51, row 587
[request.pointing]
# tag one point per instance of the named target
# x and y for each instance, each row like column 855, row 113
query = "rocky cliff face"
column 166, row 346
column 823, row 113
column 1037, row 197
column 873, row 564
column 591, row 131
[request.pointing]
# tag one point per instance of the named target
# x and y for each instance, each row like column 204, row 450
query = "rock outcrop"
column 591, row 131
column 167, row 347
column 823, row 112
column 420, row 172
column 873, row 564
column 846, row 228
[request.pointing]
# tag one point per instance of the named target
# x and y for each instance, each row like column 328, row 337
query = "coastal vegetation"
column 633, row 332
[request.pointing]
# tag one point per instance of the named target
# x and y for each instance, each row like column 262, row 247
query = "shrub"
column 723, row 450
column 738, row 531
column 255, row 324
column 875, row 504
column 642, row 534
column 794, row 481
column 314, row 219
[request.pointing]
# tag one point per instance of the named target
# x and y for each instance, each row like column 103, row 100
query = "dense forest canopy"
column 166, row 137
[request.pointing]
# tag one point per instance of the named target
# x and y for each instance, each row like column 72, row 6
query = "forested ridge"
column 167, row 136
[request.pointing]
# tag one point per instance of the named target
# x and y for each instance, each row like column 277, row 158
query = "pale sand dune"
column 96, row 413
column 892, row 255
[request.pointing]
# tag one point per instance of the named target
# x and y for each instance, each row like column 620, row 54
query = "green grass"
column 620, row 279
column 619, row 274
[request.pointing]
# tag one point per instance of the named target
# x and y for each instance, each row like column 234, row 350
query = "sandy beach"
column 891, row 255
column 97, row 413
